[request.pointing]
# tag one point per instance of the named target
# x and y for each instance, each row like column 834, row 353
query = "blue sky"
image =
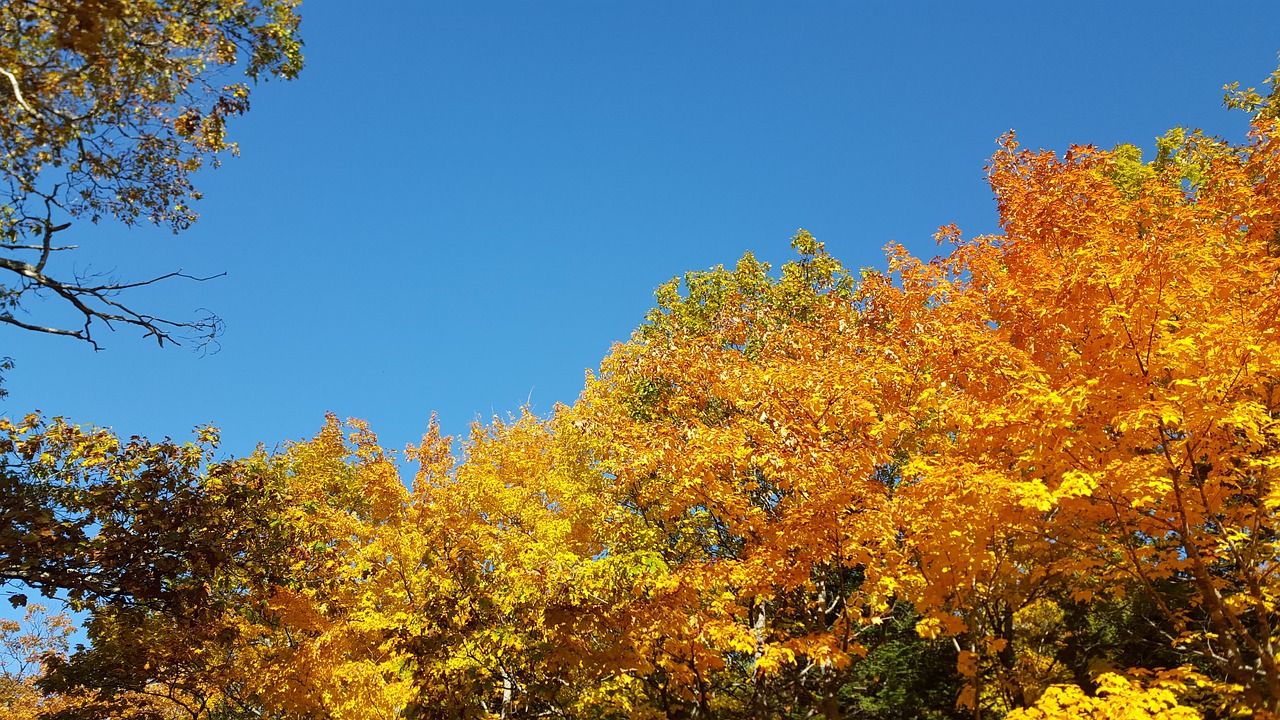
column 459, row 207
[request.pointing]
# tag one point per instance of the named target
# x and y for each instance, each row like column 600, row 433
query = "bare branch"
column 37, row 247
column 142, row 283
column 108, row 310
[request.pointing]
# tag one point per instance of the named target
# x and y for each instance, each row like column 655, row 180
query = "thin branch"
column 54, row 248
column 49, row 231
column 7, row 318
column 142, row 283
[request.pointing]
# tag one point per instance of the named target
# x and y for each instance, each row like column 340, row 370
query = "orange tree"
column 1105, row 401
column 1073, row 422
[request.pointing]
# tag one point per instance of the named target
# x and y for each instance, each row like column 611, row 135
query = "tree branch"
column 17, row 92
column 82, row 297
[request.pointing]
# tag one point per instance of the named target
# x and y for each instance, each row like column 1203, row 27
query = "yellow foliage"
column 1118, row 698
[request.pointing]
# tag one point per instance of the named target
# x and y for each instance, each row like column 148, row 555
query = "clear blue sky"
column 460, row 206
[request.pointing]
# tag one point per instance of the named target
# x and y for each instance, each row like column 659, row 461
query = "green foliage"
column 707, row 299
column 903, row 676
column 1263, row 107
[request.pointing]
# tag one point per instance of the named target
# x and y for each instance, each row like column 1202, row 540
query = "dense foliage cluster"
column 1034, row 478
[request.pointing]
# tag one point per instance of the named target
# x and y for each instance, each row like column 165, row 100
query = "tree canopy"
column 1032, row 478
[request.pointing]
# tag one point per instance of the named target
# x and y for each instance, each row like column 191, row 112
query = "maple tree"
column 737, row 422
column 1104, row 386
column 107, row 108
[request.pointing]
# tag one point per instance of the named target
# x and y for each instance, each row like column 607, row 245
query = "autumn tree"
column 136, row 522
column 1103, row 410
column 500, row 584
column 1077, row 414
column 751, row 429
column 107, row 109
column 167, row 552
